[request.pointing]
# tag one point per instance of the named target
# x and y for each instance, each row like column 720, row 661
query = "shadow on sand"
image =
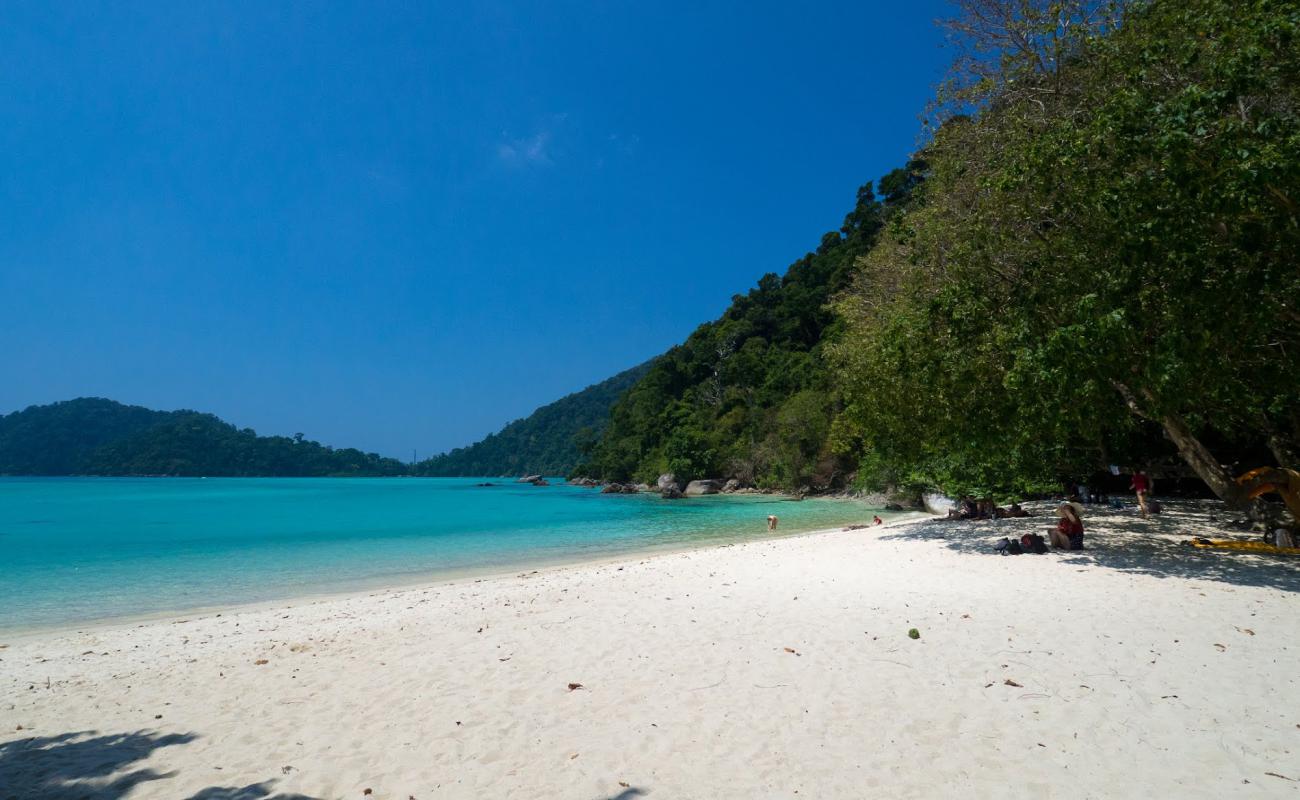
column 87, row 765
column 1122, row 540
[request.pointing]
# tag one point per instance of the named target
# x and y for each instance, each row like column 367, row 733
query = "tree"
column 1098, row 249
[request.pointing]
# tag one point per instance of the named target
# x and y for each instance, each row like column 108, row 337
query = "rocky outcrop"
column 731, row 486
column 697, row 488
column 642, row 487
column 587, row 482
column 533, row 479
column 667, row 479
column 671, row 492
column 619, row 488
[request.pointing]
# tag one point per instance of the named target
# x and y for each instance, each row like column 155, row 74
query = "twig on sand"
column 549, row 625
column 711, row 685
column 773, row 686
column 891, row 661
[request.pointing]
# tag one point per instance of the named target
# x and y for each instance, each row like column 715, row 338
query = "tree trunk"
column 1204, row 464
column 1200, row 459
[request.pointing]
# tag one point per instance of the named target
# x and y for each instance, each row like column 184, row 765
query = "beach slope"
column 1141, row 667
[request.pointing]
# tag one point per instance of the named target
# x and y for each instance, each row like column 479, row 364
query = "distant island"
column 96, row 436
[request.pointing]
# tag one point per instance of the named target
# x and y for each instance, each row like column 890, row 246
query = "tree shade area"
column 550, row 441
column 93, row 436
column 1091, row 261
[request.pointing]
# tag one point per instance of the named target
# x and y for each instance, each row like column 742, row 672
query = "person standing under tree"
column 1142, row 486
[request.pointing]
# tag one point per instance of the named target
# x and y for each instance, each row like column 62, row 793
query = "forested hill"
column 550, row 441
column 1091, row 262
column 749, row 395
column 94, row 436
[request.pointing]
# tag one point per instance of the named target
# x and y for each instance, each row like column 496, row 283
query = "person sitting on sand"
column 1016, row 512
column 967, row 509
column 876, row 520
column 1068, row 534
column 771, row 522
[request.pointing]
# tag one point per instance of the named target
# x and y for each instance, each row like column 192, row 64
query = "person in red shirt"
column 1142, row 486
column 1068, row 534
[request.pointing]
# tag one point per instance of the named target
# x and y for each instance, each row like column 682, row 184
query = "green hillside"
column 749, row 395
column 1091, row 262
column 550, row 441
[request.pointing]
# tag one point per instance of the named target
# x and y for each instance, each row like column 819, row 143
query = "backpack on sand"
column 1007, row 547
column 1033, row 543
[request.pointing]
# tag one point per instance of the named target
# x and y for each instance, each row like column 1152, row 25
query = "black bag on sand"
column 1007, row 547
column 1033, row 543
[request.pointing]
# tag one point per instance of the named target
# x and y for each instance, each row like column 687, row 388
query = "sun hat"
column 1077, row 508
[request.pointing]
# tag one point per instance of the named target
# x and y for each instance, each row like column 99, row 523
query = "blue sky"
column 400, row 226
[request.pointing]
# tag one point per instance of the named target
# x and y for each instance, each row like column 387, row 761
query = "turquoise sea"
column 75, row 550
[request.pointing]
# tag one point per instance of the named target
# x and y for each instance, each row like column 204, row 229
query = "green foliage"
column 687, row 453
column 56, row 439
column 93, row 436
column 1104, row 253
column 550, row 441
column 749, row 394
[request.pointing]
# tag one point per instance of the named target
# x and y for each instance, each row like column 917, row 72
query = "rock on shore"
column 705, row 486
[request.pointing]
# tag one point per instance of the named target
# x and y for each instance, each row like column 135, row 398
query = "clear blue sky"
column 401, row 226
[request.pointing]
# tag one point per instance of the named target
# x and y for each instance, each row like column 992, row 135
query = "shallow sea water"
column 75, row 550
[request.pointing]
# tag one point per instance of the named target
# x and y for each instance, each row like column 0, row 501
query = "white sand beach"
column 1141, row 667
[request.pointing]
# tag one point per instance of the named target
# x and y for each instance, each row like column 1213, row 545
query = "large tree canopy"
column 1105, row 245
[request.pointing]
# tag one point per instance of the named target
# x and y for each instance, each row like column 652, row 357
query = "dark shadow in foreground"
column 1122, row 540
column 87, row 765
column 628, row 794
column 253, row 791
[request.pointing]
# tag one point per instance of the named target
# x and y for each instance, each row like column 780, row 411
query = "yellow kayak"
column 1253, row 547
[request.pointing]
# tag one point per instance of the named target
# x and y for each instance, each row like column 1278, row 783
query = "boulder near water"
column 671, row 492
column 706, row 486
column 667, row 479
column 529, row 479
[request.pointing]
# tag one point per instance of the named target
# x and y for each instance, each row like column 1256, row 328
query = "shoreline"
column 424, row 580
column 773, row 667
